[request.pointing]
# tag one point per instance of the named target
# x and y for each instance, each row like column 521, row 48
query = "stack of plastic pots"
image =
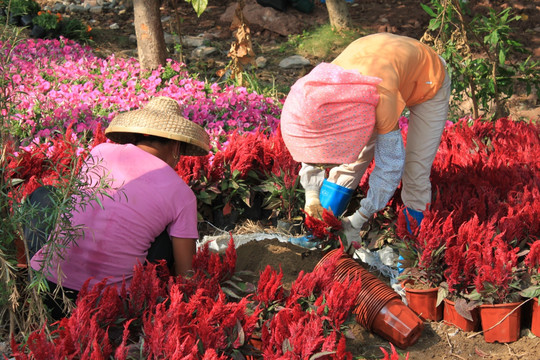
column 379, row 308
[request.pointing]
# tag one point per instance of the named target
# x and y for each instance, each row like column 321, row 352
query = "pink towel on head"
column 329, row 115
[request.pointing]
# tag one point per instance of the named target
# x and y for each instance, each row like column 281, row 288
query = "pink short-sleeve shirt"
column 147, row 197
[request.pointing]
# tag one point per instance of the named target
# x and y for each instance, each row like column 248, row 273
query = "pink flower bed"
column 57, row 83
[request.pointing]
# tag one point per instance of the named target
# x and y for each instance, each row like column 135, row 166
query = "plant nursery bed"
column 438, row 340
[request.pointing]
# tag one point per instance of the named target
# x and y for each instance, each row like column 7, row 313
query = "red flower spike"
column 270, row 287
column 532, row 260
column 326, row 228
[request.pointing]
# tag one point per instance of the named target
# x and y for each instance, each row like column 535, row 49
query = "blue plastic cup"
column 335, row 197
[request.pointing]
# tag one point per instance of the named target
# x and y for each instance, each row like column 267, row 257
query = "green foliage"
column 20, row 299
column 285, row 201
column 47, row 20
column 477, row 52
column 20, row 7
column 236, row 191
column 74, row 29
column 323, row 42
column 56, row 25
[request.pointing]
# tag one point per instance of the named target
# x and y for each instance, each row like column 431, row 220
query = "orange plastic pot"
column 452, row 317
column 378, row 307
column 398, row 323
column 501, row 322
column 256, row 343
column 424, row 303
column 535, row 317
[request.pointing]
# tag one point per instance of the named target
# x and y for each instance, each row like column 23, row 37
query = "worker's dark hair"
column 138, row 138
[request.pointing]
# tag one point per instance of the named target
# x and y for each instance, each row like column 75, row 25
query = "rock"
column 93, row 3
column 294, row 62
column 261, row 62
column 193, row 41
column 76, row 9
column 58, row 8
column 114, row 26
column 171, row 39
column 96, row 9
column 219, row 34
column 203, row 51
column 266, row 18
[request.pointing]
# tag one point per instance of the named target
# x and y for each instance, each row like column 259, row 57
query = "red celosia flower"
column 270, row 287
column 393, row 355
column 325, row 228
column 533, row 257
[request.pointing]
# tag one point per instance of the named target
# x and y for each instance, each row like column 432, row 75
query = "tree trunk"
column 150, row 39
column 338, row 12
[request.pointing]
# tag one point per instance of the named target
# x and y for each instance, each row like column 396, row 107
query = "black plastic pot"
column 38, row 32
column 26, row 20
column 15, row 20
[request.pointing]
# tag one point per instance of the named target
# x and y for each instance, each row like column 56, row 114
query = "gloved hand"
column 352, row 238
column 351, row 229
column 313, row 205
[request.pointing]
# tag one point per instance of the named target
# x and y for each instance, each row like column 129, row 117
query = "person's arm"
column 183, row 252
column 385, row 177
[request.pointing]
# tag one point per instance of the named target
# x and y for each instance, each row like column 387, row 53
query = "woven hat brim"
column 126, row 135
column 124, row 127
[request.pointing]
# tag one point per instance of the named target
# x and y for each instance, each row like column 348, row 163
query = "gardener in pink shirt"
column 344, row 114
column 149, row 213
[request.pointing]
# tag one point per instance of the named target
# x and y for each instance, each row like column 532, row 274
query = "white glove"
column 351, row 236
column 351, row 230
column 313, row 205
column 357, row 220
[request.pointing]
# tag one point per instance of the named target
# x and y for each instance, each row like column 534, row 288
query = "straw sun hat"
column 161, row 117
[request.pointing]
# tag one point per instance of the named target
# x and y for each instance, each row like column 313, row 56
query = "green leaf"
column 230, row 293
column 239, row 286
column 502, row 56
column 428, row 10
column 15, row 182
column 321, row 354
column 441, row 294
column 198, row 5
column 531, row 292
column 241, row 334
column 434, row 24
column 286, row 346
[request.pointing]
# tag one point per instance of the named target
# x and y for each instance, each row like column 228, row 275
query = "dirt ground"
column 438, row 341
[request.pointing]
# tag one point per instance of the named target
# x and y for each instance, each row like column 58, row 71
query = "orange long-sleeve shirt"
column 411, row 72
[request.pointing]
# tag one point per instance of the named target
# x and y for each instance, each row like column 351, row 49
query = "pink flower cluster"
column 56, row 83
